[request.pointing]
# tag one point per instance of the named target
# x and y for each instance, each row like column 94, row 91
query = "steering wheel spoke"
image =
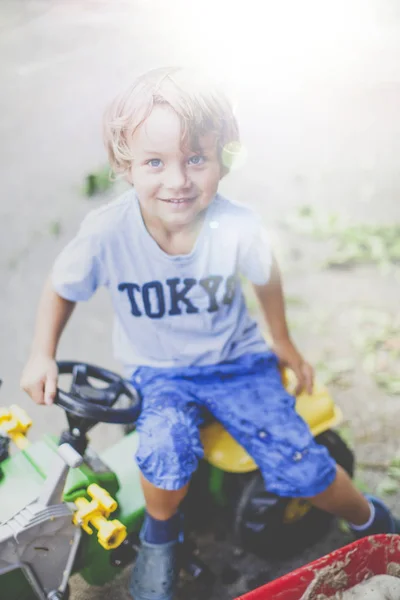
column 114, row 391
column 79, row 376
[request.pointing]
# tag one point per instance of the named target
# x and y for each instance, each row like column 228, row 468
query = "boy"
column 170, row 252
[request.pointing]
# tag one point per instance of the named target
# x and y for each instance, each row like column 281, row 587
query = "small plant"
column 354, row 244
column 319, row 225
column 378, row 339
column 98, row 182
column 336, row 371
column 55, row 228
column 390, row 484
column 363, row 244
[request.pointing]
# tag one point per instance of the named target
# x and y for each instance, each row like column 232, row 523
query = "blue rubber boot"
column 384, row 521
column 156, row 569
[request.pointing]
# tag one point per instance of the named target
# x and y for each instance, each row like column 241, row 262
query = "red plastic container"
column 338, row 571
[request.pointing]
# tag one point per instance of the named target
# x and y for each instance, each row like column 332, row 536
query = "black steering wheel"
column 96, row 403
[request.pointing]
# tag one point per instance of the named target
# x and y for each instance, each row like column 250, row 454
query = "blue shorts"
column 245, row 395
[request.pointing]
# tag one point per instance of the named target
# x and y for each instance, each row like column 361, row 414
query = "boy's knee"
column 169, row 447
column 301, row 474
column 316, row 475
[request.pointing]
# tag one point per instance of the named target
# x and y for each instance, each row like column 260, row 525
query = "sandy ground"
column 330, row 141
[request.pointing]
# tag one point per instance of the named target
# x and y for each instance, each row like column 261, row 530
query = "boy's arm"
column 39, row 377
column 272, row 303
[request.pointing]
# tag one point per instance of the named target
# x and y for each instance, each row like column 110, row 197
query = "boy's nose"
column 176, row 178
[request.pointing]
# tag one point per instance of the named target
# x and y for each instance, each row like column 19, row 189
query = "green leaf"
column 387, row 487
column 391, row 384
column 394, row 472
column 305, row 210
column 395, row 462
column 98, row 181
column 55, row 228
column 343, row 526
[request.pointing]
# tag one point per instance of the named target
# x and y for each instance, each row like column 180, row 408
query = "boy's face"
column 173, row 184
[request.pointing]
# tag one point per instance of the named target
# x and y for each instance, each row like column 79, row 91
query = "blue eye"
column 154, row 162
column 196, row 160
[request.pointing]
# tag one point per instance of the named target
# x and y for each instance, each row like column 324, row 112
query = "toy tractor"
column 55, row 493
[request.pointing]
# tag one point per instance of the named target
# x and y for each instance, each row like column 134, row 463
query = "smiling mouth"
column 177, row 200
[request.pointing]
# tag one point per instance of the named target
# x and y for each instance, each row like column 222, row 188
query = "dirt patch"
column 333, row 576
column 365, row 561
column 379, row 587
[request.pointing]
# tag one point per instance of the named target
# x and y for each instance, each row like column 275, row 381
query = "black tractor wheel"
column 4, row 447
column 4, row 451
column 271, row 526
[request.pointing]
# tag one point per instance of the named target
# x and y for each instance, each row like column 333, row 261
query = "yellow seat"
column 317, row 409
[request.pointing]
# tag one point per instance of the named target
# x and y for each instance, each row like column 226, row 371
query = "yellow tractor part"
column 15, row 422
column 110, row 534
column 296, row 509
column 317, row 409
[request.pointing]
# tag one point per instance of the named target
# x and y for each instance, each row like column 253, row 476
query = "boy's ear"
column 128, row 177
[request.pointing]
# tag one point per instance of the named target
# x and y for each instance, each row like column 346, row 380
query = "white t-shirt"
column 170, row 311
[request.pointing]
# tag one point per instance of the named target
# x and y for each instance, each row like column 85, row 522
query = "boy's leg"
column 163, row 521
column 343, row 500
column 168, row 454
column 156, row 567
column 263, row 419
column 162, row 504
column 366, row 515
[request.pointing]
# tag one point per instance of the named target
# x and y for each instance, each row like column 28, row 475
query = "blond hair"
column 200, row 104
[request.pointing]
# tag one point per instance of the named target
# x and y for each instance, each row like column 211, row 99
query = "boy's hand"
column 39, row 379
column 290, row 357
